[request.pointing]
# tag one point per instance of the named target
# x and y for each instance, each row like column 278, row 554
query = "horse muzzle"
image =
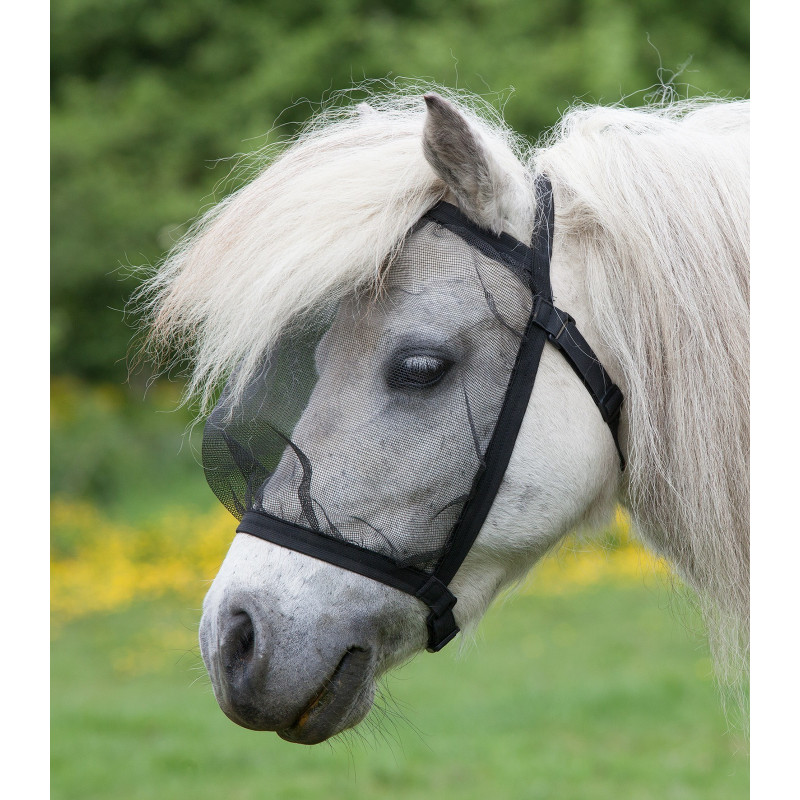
column 306, row 686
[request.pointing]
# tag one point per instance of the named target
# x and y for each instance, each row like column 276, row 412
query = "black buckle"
column 441, row 630
column 611, row 403
column 441, row 623
column 553, row 324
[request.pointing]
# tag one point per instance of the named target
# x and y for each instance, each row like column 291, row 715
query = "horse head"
column 406, row 390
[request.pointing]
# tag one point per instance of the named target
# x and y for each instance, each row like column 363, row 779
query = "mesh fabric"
column 369, row 424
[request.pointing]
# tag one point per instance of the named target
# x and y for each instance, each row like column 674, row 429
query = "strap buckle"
column 611, row 403
column 553, row 321
column 441, row 623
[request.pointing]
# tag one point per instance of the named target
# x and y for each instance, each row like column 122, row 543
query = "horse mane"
column 657, row 201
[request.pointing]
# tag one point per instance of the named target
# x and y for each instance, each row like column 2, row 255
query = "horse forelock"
column 321, row 220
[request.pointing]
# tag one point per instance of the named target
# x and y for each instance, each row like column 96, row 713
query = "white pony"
column 650, row 256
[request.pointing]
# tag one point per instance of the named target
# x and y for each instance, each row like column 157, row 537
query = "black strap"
column 428, row 588
column 542, row 240
column 515, row 404
column 564, row 334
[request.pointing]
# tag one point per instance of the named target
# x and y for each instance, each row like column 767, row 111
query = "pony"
column 650, row 256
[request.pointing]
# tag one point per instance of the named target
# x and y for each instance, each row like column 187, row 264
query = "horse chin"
column 343, row 700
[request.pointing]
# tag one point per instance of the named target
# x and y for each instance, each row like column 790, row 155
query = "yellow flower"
column 100, row 565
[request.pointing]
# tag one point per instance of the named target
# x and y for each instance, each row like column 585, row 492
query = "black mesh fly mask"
column 375, row 436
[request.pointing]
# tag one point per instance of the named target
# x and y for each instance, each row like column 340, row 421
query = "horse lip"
column 336, row 705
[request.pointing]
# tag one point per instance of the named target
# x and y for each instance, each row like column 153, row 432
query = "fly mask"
column 376, row 435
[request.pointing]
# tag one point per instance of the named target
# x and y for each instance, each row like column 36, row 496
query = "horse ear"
column 455, row 150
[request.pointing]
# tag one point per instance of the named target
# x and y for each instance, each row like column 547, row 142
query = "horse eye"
column 417, row 371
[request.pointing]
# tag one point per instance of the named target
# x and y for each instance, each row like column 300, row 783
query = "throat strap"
column 564, row 334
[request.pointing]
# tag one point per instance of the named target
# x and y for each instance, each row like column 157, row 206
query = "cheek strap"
column 563, row 333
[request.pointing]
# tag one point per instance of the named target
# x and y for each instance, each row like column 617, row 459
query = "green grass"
column 126, row 451
column 601, row 694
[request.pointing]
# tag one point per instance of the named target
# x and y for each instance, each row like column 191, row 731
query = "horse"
column 650, row 238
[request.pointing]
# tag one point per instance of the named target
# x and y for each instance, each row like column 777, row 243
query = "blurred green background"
column 152, row 102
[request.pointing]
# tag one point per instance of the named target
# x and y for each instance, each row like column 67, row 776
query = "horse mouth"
column 342, row 701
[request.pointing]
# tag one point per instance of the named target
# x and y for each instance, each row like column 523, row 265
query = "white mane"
column 656, row 200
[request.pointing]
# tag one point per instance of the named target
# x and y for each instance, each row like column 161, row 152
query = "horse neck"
column 681, row 359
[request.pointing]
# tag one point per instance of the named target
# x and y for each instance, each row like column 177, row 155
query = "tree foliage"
column 151, row 99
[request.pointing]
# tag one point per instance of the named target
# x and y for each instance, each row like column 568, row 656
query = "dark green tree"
column 151, row 99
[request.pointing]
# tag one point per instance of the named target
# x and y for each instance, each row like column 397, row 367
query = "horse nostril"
column 238, row 645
